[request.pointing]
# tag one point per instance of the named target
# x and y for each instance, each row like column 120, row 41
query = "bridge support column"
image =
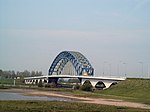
column 26, row 81
column 80, row 79
column 53, row 80
column 107, row 83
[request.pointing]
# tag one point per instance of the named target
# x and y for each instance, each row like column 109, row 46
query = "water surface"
column 17, row 96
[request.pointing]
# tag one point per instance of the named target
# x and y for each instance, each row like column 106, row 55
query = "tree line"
column 11, row 74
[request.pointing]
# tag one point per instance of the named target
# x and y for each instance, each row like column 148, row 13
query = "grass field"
column 56, row 106
column 6, row 81
column 11, row 81
column 137, row 90
column 131, row 89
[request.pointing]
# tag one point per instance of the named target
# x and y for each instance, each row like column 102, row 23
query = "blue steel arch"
column 79, row 61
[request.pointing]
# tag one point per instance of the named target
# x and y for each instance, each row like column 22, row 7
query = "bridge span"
column 76, row 65
column 106, row 81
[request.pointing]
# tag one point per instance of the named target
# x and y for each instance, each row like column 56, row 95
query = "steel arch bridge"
column 81, row 64
column 84, row 71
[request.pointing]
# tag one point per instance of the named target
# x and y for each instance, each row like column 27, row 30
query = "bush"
column 50, row 85
column 53, row 85
column 40, row 84
column 87, row 86
column 47, row 86
column 77, row 86
column 3, row 87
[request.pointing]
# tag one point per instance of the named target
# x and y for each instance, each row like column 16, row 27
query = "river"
column 18, row 96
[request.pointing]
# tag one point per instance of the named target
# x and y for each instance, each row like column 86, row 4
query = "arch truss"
column 80, row 63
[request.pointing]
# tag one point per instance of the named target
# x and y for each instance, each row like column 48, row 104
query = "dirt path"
column 93, row 100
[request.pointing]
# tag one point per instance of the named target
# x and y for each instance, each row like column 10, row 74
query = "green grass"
column 136, row 90
column 6, row 81
column 11, row 81
column 56, row 106
column 130, row 89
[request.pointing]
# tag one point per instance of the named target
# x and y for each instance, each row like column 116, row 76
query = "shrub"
column 3, row 87
column 50, row 85
column 87, row 86
column 77, row 86
column 40, row 84
column 47, row 86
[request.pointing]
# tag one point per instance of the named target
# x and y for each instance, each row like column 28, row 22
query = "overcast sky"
column 114, row 35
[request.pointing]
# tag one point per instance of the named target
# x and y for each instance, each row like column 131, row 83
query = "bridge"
column 71, row 64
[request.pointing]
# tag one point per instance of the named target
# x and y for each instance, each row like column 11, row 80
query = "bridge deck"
column 83, row 77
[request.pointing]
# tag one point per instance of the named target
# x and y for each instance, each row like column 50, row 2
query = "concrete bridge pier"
column 94, row 82
column 109, row 83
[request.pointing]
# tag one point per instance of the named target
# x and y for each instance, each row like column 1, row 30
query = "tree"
column 26, row 73
column 38, row 73
column 13, row 75
column 1, row 73
column 33, row 73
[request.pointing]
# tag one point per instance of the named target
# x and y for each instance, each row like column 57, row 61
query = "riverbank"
column 89, row 100
column 103, row 101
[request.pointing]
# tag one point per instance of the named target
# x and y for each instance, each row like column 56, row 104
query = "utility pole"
column 104, row 68
column 148, row 72
column 141, row 69
column 110, row 68
column 125, row 69
column 119, row 68
column 14, row 81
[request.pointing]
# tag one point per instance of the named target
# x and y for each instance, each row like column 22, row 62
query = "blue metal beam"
column 79, row 61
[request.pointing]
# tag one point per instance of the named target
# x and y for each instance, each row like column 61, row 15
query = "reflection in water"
column 17, row 96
